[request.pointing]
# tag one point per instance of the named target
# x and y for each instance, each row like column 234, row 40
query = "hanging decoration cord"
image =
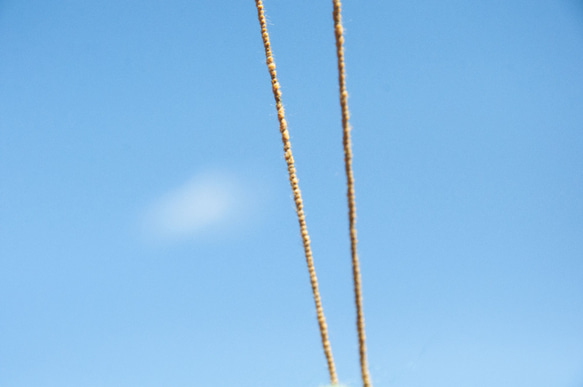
column 296, row 193
column 338, row 31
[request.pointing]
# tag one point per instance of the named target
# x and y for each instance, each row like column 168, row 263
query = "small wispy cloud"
column 205, row 203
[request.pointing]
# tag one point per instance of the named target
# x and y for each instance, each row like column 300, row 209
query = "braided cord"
column 296, row 194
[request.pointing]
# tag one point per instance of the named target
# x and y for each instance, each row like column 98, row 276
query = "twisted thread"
column 338, row 30
column 296, row 193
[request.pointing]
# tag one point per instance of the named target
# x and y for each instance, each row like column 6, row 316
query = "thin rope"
column 338, row 30
column 296, row 193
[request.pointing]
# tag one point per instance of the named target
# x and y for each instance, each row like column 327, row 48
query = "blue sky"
column 147, row 231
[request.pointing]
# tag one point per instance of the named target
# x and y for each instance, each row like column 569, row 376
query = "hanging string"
column 296, row 193
column 338, row 30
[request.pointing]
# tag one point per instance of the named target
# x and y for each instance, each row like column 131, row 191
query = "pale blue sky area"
column 147, row 231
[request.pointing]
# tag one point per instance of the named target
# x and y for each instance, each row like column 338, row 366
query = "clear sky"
column 147, row 231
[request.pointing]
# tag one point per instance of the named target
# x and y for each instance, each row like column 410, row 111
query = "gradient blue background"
column 468, row 144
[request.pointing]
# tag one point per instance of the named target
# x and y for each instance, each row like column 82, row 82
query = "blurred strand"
column 296, row 193
column 350, row 191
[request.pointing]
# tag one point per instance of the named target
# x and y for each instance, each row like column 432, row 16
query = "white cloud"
column 205, row 203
